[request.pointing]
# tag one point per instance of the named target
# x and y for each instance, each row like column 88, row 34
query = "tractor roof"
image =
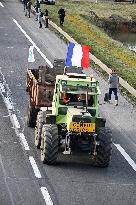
column 75, row 77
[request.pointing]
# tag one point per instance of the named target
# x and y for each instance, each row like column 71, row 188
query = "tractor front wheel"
column 49, row 144
column 104, row 147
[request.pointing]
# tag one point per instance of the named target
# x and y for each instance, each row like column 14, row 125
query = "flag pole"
column 64, row 70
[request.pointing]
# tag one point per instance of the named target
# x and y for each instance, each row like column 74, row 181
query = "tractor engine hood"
column 77, row 115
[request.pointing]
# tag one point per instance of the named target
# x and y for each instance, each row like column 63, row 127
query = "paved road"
column 23, row 178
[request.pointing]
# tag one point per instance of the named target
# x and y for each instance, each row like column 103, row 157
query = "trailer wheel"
column 49, row 144
column 104, row 147
column 31, row 116
column 38, row 129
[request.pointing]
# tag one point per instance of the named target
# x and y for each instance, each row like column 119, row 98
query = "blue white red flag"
column 77, row 55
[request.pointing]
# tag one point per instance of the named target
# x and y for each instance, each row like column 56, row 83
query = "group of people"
column 39, row 14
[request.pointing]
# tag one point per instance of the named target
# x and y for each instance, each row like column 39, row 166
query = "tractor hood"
column 71, row 112
column 78, row 115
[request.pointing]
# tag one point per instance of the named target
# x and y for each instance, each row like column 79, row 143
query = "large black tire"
column 104, row 147
column 49, row 144
column 38, row 129
column 31, row 116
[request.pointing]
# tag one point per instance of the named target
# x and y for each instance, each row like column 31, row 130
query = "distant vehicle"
column 47, row 2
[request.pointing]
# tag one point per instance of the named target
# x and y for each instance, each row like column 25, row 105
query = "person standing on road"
column 40, row 15
column 29, row 4
column 113, row 82
column 37, row 6
column 61, row 13
column 46, row 16
column 25, row 5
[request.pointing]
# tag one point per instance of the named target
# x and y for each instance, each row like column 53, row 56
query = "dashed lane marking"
column 46, row 196
column 10, row 47
column 5, row 93
column 1, row 4
column 126, row 156
column 23, row 140
column 35, row 167
column 35, row 46
column 15, row 120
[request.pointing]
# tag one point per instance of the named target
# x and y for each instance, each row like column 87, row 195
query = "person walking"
column 36, row 6
column 46, row 16
column 40, row 15
column 113, row 86
column 25, row 6
column 29, row 4
column 61, row 13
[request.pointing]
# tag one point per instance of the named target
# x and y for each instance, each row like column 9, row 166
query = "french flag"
column 77, row 55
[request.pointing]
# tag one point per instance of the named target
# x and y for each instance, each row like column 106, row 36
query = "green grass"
column 78, row 25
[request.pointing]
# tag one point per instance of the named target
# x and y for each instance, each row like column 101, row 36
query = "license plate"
column 81, row 127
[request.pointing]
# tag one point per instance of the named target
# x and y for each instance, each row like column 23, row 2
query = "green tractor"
column 74, row 125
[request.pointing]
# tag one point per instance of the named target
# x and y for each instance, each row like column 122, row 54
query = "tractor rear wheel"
column 104, row 147
column 31, row 116
column 38, row 129
column 49, row 144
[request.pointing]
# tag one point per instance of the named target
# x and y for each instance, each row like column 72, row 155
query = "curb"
column 122, row 82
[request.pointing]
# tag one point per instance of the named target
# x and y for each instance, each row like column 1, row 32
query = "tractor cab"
column 76, row 91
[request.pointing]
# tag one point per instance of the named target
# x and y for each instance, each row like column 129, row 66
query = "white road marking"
column 126, row 156
column 1, row 4
column 46, row 196
column 35, row 167
column 5, row 93
column 15, row 121
column 2, row 88
column 35, row 46
column 23, row 140
column 6, row 116
column 8, row 103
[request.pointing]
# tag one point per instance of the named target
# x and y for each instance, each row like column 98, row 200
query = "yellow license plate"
column 81, row 127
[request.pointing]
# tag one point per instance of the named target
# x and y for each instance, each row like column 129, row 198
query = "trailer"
column 40, row 84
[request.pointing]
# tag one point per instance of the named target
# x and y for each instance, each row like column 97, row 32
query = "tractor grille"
column 81, row 119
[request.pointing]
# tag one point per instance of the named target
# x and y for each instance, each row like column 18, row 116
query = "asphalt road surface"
column 24, row 180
